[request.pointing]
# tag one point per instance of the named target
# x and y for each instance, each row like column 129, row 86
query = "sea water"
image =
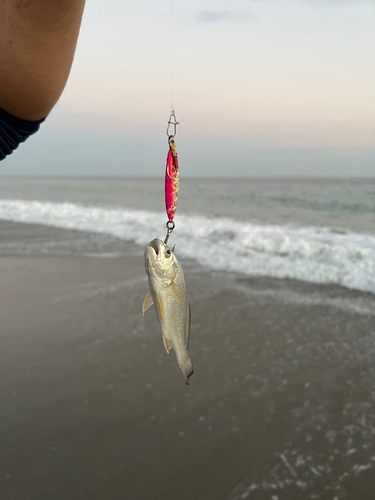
column 313, row 230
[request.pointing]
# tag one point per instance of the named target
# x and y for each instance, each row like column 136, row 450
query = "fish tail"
column 187, row 368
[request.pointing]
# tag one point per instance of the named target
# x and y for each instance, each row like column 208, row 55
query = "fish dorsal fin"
column 188, row 321
column 147, row 302
column 166, row 343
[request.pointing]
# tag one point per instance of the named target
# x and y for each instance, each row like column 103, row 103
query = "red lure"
column 172, row 182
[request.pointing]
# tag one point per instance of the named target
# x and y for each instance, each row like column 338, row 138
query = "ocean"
column 281, row 280
column 313, row 230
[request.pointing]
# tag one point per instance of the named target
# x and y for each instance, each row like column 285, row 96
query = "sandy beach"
column 281, row 404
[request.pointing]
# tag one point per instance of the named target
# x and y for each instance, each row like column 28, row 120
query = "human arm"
column 37, row 44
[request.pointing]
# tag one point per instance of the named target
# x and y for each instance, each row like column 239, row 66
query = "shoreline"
column 20, row 239
column 91, row 406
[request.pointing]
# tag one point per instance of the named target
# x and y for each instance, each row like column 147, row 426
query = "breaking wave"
column 311, row 254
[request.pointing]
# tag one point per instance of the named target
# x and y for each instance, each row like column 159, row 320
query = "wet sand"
column 281, row 404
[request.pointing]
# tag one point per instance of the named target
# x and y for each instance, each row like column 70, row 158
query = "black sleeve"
column 13, row 131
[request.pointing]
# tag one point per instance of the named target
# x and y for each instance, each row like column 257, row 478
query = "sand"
column 281, row 404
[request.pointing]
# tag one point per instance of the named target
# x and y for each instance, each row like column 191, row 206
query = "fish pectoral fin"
column 166, row 343
column 187, row 331
column 147, row 302
column 175, row 290
column 159, row 305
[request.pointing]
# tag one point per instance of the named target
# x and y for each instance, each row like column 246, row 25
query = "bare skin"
column 37, row 45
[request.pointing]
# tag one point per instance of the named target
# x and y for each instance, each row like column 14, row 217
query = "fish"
column 167, row 291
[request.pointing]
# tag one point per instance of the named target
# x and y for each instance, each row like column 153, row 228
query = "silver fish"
column 168, row 294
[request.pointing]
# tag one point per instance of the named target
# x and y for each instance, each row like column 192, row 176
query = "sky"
column 260, row 88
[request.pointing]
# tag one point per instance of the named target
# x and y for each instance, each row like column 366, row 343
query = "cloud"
column 338, row 3
column 213, row 16
column 219, row 16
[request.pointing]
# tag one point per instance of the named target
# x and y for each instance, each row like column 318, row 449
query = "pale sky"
column 261, row 87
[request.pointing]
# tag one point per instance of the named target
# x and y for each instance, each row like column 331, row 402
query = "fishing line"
column 172, row 52
column 172, row 185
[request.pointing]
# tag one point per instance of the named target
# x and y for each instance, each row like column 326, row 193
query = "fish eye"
column 168, row 253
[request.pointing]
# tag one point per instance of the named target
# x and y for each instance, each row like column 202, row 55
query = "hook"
column 170, row 226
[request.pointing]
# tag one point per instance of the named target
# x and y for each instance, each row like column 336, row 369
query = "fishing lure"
column 172, row 177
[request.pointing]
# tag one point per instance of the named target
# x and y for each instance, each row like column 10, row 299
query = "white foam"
column 312, row 254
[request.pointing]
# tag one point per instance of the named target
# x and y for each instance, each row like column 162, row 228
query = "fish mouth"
column 155, row 245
